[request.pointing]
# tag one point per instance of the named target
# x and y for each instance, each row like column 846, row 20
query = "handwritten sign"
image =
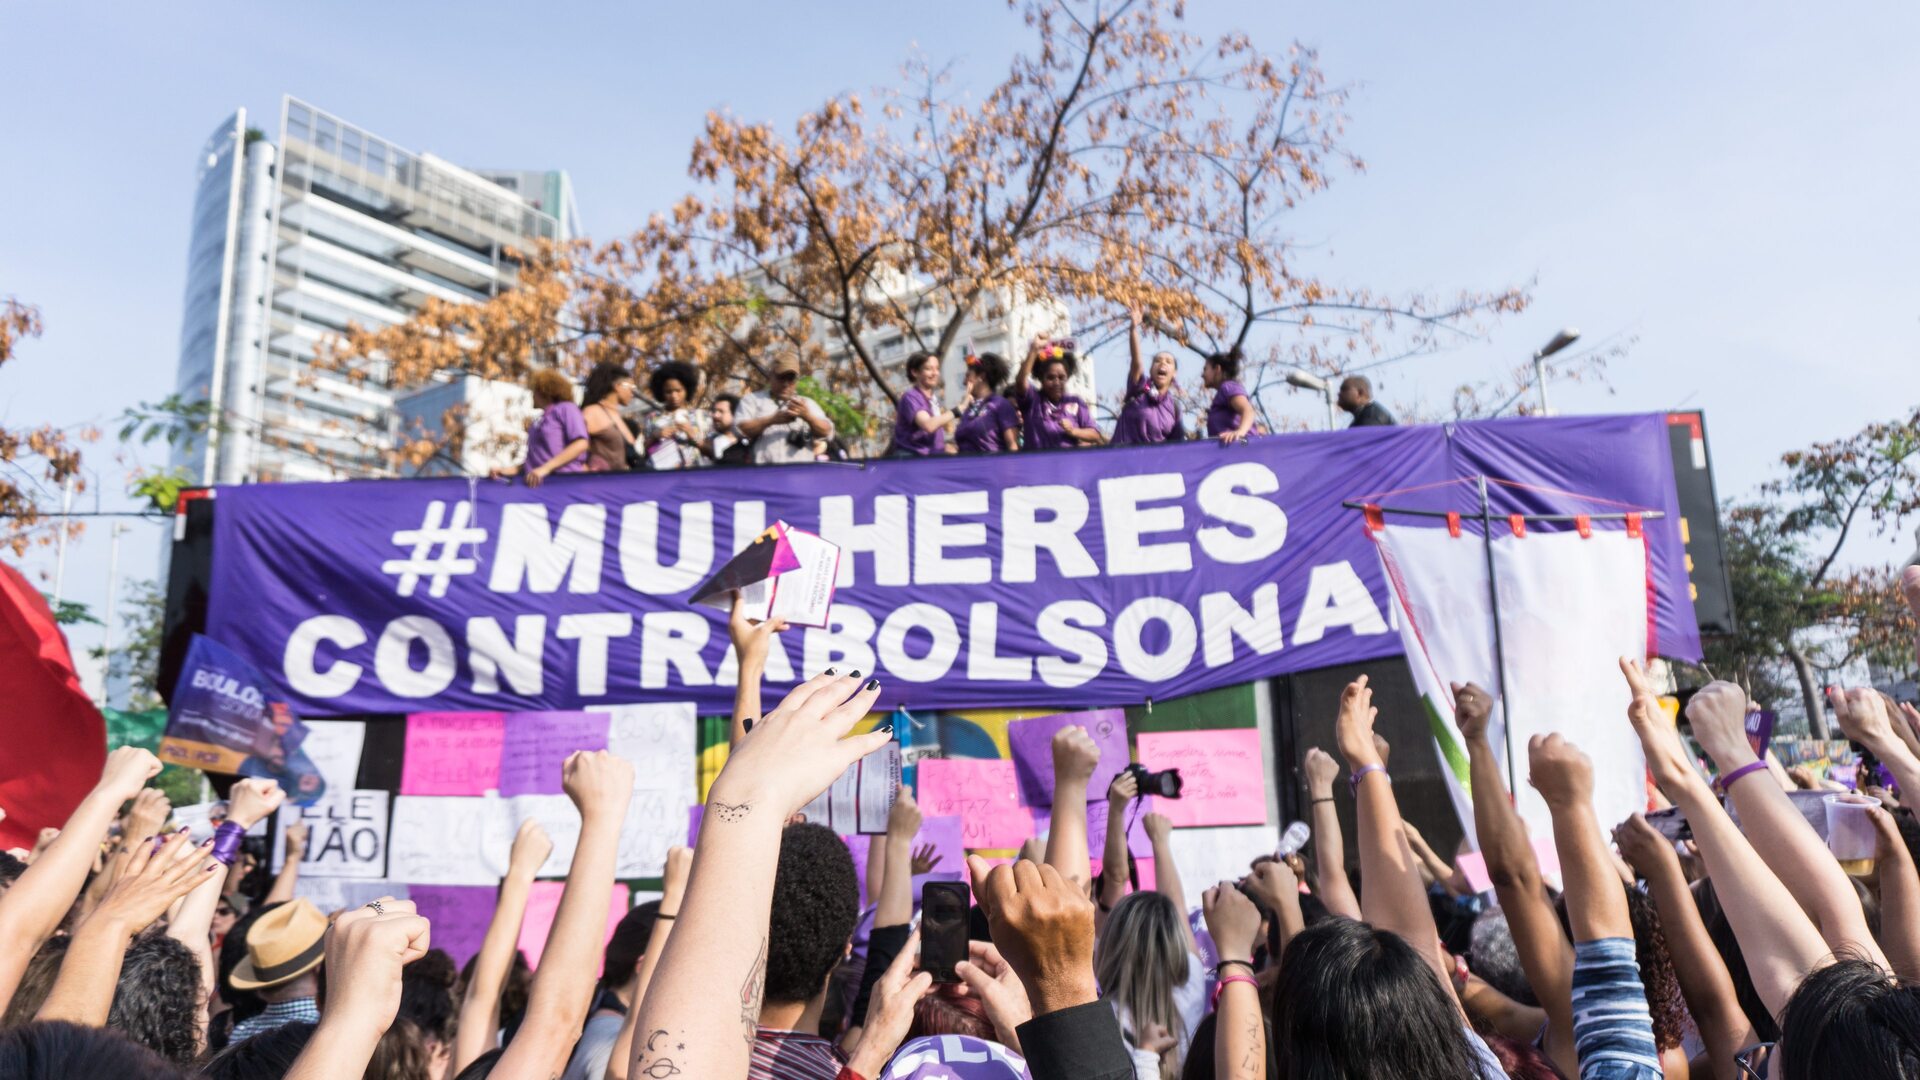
column 982, row 793
column 346, row 835
column 1206, row 857
column 452, row 753
column 557, row 815
column 1031, row 746
column 543, row 903
column 659, row 741
column 537, row 745
column 334, row 748
column 447, row 840
column 1225, row 783
column 459, row 914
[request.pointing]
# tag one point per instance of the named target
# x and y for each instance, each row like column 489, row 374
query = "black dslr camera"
column 1165, row 783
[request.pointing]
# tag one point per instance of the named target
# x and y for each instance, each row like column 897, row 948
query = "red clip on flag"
column 1633, row 525
column 1376, row 518
column 1453, row 524
column 1518, row 523
column 1585, row 525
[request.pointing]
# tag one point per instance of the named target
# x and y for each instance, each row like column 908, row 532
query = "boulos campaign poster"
column 220, row 720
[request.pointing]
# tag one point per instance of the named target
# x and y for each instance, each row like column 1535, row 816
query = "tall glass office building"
column 295, row 240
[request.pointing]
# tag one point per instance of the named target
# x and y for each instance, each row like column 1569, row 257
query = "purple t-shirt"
column 1147, row 416
column 1045, row 419
column 559, row 424
column 907, row 435
column 982, row 425
column 1220, row 415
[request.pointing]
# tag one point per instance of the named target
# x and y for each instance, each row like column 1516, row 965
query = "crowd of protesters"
column 129, row 951
column 1003, row 410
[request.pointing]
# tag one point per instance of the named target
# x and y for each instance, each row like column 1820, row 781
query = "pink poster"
column 983, row 793
column 543, row 903
column 452, row 753
column 1224, row 779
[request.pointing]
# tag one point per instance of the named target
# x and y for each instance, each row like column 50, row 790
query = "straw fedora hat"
column 283, row 944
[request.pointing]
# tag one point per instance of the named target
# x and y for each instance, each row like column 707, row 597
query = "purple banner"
column 1072, row 580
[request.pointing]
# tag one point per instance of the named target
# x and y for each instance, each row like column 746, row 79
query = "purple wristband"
column 226, row 842
column 1353, row 782
column 1727, row 781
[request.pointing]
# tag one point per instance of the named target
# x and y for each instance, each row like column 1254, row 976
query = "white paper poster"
column 443, row 840
column 859, row 801
column 344, row 894
column 1208, row 856
column 346, row 835
column 1570, row 607
column 334, row 748
column 659, row 741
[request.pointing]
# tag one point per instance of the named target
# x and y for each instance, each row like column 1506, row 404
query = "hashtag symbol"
column 435, row 549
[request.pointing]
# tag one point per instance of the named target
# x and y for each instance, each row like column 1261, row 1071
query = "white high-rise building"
column 293, row 241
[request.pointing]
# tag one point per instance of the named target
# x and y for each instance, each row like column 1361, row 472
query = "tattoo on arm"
column 730, row 811
column 751, row 993
column 654, row 1062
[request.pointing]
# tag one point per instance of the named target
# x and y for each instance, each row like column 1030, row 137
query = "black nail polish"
column 873, row 684
column 833, row 671
column 747, row 724
column 854, row 674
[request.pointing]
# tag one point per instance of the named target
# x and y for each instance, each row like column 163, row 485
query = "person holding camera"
column 780, row 423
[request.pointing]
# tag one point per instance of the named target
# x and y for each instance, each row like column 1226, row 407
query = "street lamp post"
column 1308, row 381
column 1560, row 341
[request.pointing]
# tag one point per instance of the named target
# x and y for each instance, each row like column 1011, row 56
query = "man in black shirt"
column 1356, row 397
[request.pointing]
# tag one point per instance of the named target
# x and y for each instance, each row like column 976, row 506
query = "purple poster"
column 537, row 745
column 1030, row 743
column 1073, row 580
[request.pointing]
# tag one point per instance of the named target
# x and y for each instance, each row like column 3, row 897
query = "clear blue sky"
column 1731, row 183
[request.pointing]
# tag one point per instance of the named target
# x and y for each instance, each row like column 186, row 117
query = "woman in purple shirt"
column 990, row 423
column 1054, row 418
column 1151, row 412
column 919, row 423
column 1230, row 417
column 558, row 441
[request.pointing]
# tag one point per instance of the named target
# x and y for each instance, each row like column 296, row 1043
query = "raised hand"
column 1124, row 788
column 1644, row 848
column 147, row 814
column 1043, row 926
column 924, row 860
column 751, row 640
column 1322, row 771
column 1659, row 738
column 1232, row 920
column 127, row 771
column 1271, row 883
column 531, row 846
column 296, row 841
column 366, row 950
column 1353, row 730
column 991, row 979
column 1075, row 755
column 1863, row 715
column 1561, row 773
column 1718, row 713
column 903, row 818
column 1158, row 826
column 252, row 800
column 798, row 750
column 151, row 876
column 599, row 782
column 1472, row 710
column 1157, row 1039
column 890, row 1010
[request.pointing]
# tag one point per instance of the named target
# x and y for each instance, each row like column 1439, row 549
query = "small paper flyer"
column 786, row 573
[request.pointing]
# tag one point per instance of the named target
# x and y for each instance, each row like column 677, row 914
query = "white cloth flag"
column 1570, row 607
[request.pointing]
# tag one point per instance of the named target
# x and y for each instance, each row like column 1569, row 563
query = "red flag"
column 56, row 741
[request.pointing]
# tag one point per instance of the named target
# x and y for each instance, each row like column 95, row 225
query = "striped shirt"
column 792, row 1055
column 1612, row 1029
column 298, row 1010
